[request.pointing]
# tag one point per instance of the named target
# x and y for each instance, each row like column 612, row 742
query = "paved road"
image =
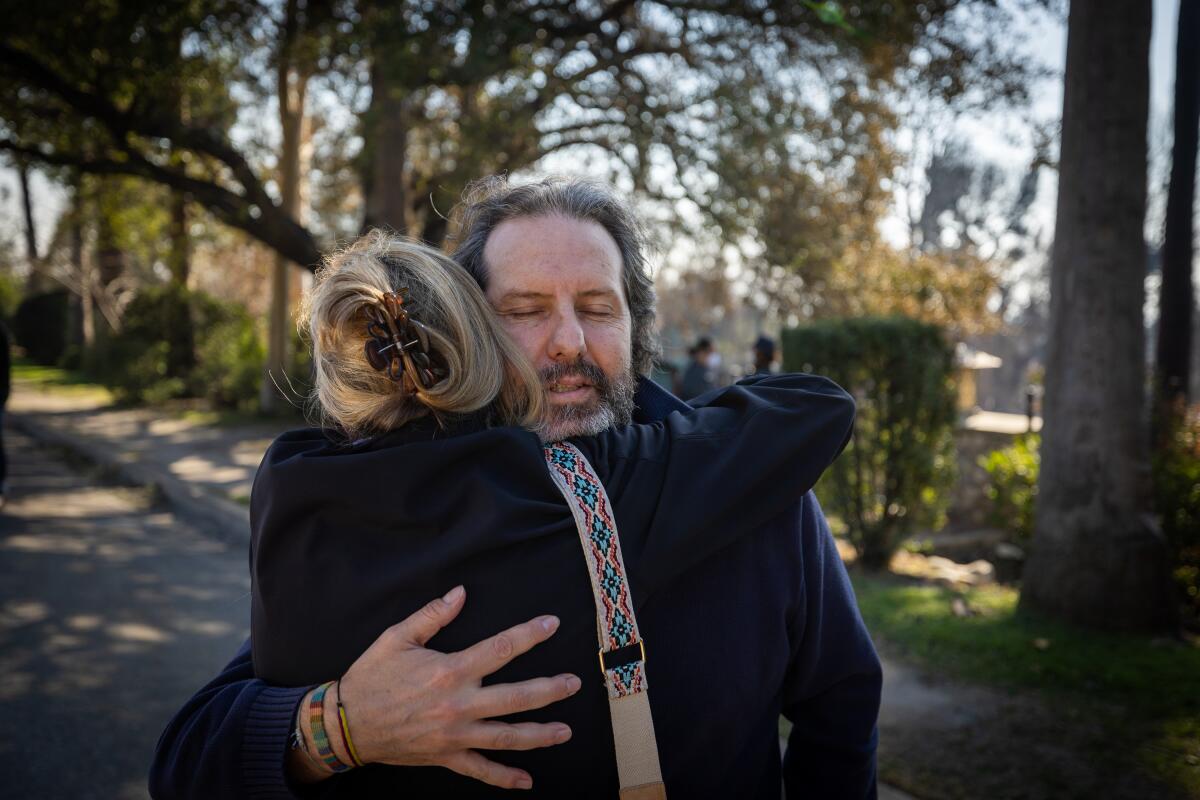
column 112, row 612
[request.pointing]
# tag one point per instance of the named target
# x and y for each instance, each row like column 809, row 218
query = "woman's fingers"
column 419, row 627
column 483, row 658
column 511, row 698
column 474, row 765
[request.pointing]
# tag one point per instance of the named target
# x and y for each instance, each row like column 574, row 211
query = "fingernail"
column 562, row 734
column 550, row 624
column 453, row 595
column 525, row 783
column 573, row 684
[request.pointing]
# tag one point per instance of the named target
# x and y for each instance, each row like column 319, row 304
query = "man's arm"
column 737, row 458
column 200, row 752
column 834, row 681
column 408, row 705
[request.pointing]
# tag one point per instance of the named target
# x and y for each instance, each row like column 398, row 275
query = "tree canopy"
column 766, row 127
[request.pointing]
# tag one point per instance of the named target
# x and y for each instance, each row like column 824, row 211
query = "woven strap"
column 616, row 626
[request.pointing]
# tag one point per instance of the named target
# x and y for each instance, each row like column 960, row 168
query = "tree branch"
column 270, row 226
column 122, row 123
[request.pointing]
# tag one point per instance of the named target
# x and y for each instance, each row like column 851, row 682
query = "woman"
column 427, row 475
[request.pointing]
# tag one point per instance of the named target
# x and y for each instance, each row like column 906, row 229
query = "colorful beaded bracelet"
column 316, row 717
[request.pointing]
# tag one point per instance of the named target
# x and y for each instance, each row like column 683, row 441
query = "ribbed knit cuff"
column 265, row 742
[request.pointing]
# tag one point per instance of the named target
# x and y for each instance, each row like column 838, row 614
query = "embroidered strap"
column 616, row 626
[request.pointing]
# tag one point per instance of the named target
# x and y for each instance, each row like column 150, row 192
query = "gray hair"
column 491, row 201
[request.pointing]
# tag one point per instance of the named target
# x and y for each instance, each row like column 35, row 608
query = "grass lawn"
column 59, row 381
column 1153, row 685
column 74, row 384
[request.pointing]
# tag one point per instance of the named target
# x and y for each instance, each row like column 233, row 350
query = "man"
column 764, row 355
column 5, row 388
column 768, row 625
column 700, row 375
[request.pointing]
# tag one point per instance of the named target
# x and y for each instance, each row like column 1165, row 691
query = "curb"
column 225, row 519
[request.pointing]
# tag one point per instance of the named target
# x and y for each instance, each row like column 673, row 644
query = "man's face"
column 555, row 284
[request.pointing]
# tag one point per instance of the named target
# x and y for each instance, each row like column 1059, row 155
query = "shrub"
column 10, row 295
column 1014, row 475
column 230, row 358
column 1176, row 471
column 153, row 354
column 40, row 327
column 178, row 343
column 896, row 473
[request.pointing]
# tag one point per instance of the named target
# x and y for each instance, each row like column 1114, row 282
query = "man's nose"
column 567, row 342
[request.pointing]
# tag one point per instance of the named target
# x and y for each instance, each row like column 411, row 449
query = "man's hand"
column 413, row 706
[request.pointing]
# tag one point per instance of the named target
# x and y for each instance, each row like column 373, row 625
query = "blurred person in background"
column 764, row 356
column 5, row 388
column 700, row 376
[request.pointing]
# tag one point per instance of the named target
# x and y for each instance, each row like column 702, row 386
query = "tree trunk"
column 31, row 249
column 34, row 283
column 293, row 89
column 1176, row 300
column 87, row 299
column 385, row 193
column 1097, row 557
column 179, row 257
column 181, row 250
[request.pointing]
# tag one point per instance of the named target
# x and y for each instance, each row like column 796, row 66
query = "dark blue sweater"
column 743, row 630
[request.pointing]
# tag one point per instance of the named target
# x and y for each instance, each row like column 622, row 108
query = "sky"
column 1047, row 42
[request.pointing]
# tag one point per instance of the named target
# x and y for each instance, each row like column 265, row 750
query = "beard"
column 611, row 406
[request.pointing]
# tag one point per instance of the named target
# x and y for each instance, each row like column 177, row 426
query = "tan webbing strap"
column 616, row 626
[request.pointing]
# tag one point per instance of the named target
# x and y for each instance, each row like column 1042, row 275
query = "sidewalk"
column 207, row 471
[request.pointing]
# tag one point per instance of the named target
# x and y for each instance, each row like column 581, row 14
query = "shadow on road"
column 112, row 613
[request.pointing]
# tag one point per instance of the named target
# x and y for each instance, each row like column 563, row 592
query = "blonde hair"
column 485, row 369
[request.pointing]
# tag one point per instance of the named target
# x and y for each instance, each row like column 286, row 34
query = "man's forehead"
column 544, row 254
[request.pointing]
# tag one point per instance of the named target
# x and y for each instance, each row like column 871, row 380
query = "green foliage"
column 719, row 92
column 230, row 361
column 179, row 343
column 298, row 383
column 1014, row 475
column 895, row 475
column 154, row 353
column 40, row 327
column 10, row 295
column 1176, row 471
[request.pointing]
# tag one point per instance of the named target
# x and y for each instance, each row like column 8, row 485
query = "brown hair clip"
column 398, row 345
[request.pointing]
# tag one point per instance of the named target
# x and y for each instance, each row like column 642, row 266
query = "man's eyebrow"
column 598, row 293
column 519, row 295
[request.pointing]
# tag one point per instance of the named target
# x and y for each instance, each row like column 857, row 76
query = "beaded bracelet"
column 299, row 742
column 346, row 726
column 316, row 715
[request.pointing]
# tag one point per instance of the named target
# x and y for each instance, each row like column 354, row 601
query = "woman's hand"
column 413, row 706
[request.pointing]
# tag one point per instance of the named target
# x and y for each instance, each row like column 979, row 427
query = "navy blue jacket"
column 747, row 620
